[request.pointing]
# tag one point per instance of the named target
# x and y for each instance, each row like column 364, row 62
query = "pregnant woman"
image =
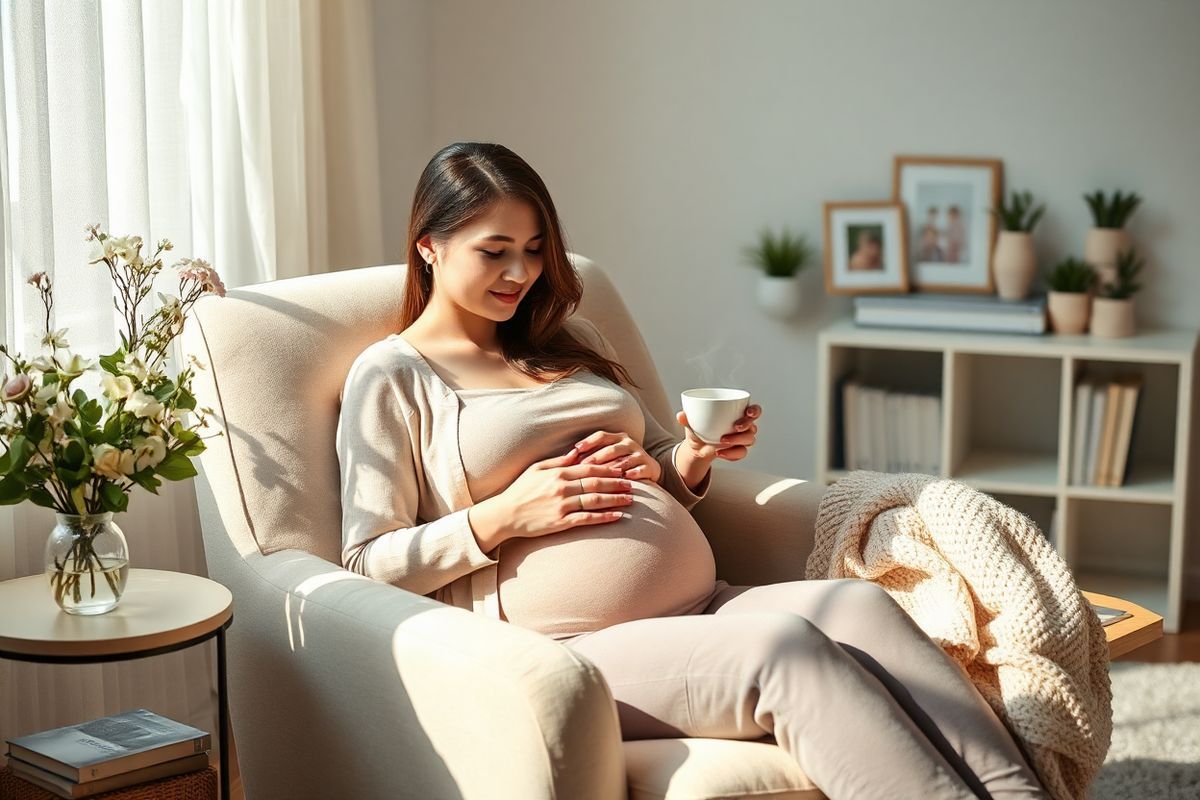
column 579, row 522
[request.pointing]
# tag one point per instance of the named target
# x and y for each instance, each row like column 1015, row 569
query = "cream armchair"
column 343, row 686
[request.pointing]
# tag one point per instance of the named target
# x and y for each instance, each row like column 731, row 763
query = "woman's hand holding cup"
column 722, row 424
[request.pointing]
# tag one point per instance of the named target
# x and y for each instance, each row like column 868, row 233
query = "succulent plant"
column 1112, row 212
column 1128, row 266
column 1020, row 214
column 1071, row 275
column 779, row 256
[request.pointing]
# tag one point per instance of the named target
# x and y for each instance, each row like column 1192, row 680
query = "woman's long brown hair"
column 462, row 182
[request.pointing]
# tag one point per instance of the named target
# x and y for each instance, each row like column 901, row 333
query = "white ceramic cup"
column 712, row 412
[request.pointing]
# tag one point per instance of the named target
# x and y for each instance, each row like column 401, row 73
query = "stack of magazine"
column 984, row 313
column 108, row 753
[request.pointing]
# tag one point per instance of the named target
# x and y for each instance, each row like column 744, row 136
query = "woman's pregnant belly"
column 653, row 562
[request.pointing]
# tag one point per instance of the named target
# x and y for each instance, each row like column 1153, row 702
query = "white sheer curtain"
column 243, row 132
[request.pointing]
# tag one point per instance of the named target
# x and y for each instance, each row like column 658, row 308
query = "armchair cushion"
column 714, row 769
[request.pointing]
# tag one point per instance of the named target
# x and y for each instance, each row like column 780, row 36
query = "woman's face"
column 499, row 252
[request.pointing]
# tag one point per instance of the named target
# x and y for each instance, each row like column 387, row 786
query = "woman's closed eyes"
column 501, row 254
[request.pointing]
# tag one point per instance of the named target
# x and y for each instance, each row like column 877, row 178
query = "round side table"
column 160, row 612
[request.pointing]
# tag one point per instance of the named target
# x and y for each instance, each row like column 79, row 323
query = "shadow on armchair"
column 343, row 686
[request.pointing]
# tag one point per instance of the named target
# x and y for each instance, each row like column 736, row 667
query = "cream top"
column 404, row 485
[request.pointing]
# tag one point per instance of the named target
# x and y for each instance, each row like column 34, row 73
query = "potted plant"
column 1069, row 297
column 780, row 258
column 1015, row 261
column 1108, row 238
column 1112, row 308
column 80, row 446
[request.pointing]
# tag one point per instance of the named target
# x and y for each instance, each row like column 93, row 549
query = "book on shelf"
column 936, row 311
column 101, row 748
column 64, row 787
column 885, row 430
column 1105, row 419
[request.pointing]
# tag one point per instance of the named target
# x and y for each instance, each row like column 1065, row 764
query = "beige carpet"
column 1155, row 753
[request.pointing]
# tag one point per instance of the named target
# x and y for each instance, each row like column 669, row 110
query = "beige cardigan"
column 984, row 583
column 404, row 493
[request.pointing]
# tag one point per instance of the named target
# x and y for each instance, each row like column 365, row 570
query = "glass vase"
column 87, row 563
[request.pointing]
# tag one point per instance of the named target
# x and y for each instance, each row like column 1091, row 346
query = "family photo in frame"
column 866, row 247
column 951, row 227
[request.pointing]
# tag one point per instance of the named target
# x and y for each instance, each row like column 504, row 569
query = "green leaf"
column 185, row 399
column 71, row 476
column 146, row 480
column 35, row 429
column 19, row 450
column 40, row 497
column 176, row 467
column 113, row 498
column 75, row 453
column 12, row 491
column 113, row 429
column 78, row 500
column 164, row 391
column 91, row 412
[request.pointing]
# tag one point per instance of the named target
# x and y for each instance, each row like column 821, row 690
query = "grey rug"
column 1155, row 752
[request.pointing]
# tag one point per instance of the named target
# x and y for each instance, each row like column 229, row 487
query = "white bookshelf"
column 1006, row 429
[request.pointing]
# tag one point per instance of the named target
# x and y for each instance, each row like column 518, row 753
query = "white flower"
column 56, row 340
column 111, row 462
column 117, row 387
column 60, row 412
column 43, row 396
column 39, row 280
column 133, row 364
column 143, row 405
column 75, row 366
column 17, row 388
column 148, row 451
column 44, row 364
column 102, row 250
column 172, row 310
column 126, row 247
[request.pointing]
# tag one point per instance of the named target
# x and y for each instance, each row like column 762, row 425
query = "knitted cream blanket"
column 984, row 583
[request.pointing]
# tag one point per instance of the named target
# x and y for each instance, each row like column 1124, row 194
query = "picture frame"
column 951, row 229
column 866, row 247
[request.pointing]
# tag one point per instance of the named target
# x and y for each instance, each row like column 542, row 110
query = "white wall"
column 670, row 131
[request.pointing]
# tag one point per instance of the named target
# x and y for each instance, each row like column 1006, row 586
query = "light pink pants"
column 835, row 670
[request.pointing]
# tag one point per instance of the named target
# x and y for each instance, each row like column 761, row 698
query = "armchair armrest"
column 760, row 525
column 389, row 693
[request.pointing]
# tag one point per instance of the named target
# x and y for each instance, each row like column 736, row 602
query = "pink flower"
column 39, row 281
column 17, row 388
column 199, row 270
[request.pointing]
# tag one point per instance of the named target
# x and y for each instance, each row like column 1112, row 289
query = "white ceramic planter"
column 1112, row 318
column 1014, row 264
column 779, row 296
column 1101, row 247
column 1068, row 311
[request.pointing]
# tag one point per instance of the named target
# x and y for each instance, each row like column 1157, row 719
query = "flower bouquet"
column 82, row 452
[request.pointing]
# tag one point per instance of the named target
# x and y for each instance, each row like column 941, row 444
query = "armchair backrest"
column 277, row 355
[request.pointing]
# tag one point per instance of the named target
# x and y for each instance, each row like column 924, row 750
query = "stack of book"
column 108, row 753
column 1105, row 412
column 886, row 431
column 984, row 313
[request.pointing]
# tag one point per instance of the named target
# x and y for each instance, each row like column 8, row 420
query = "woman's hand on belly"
column 617, row 448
